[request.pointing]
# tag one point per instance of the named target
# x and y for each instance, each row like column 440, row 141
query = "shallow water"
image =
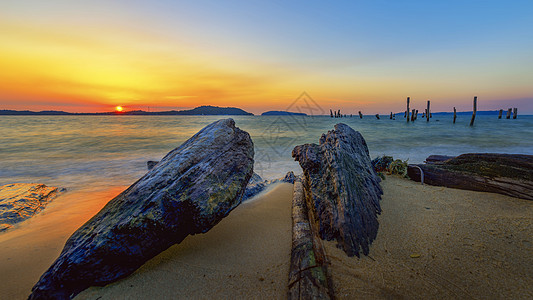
column 96, row 157
column 93, row 152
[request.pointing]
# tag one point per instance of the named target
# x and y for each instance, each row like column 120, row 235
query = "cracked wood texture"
column 188, row 192
column 507, row 174
column 343, row 188
column 308, row 278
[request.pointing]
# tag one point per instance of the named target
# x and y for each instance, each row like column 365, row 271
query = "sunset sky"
column 260, row 55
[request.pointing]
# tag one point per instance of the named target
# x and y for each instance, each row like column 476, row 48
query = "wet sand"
column 29, row 248
column 433, row 243
column 245, row 256
column 439, row 243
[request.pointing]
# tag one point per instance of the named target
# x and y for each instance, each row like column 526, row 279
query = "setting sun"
column 119, row 108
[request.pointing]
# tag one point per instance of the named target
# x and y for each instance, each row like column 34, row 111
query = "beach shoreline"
column 433, row 242
column 28, row 249
column 246, row 255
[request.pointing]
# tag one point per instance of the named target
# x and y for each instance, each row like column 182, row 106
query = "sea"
column 86, row 153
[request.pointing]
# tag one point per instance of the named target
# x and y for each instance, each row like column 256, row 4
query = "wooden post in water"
column 416, row 114
column 428, row 113
column 377, row 116
column 500, row 114
column 474, row 112
column 508, row 114
column 413, row 118
column 339, row 114
column 454, row 114
column 330, row 113
column 515, row 112
column 391, row 115
column 407, row 111
column 360, row 115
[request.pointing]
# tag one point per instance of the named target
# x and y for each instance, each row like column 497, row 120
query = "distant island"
column 201, row 110
column 206, row 110
column 282, row 113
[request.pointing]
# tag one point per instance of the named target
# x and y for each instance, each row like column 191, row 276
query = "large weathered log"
column 151, row 164
column 308, row 278
column 437, row 159
column 508, row 174
column 188, row 192
column 343, row 188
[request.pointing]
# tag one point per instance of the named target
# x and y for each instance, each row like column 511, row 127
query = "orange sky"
column 69, row 57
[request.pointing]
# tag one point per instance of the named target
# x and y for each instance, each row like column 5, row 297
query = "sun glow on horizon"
column 119, row 108
column 145, row 56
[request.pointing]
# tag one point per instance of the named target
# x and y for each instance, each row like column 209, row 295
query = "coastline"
column 471, row 245
column 246, row 255
column 28, row 249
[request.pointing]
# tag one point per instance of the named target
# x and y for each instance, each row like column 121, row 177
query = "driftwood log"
column 308, row 278
column 507, row 174
column 437, row 159
column 188, row 192
column 342, row 188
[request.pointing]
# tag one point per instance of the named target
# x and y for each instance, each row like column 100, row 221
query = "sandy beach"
column 174, row 133
column 28, row 249
column 433, row 243
column 441, row 243
column 245, row 256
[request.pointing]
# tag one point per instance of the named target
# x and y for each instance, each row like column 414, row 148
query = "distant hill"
column 201, row 110
column 282, row 113
column 30, row 113
column 214, row 110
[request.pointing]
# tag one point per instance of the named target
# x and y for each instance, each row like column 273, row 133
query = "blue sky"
column 354, row 54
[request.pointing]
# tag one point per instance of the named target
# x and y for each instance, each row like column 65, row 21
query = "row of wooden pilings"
column 338, row 114
column 412, row 115
column 515, row 113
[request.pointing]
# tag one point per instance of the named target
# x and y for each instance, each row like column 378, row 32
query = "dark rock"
column 191, row 189
column 257, row 184
column 151, row 164
column 20, row 201
column 289, row 177
column 381, row 164
column 255, row 179
column 342, row 188
column 507, row 174
column 254, row 189
column 390, row 166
